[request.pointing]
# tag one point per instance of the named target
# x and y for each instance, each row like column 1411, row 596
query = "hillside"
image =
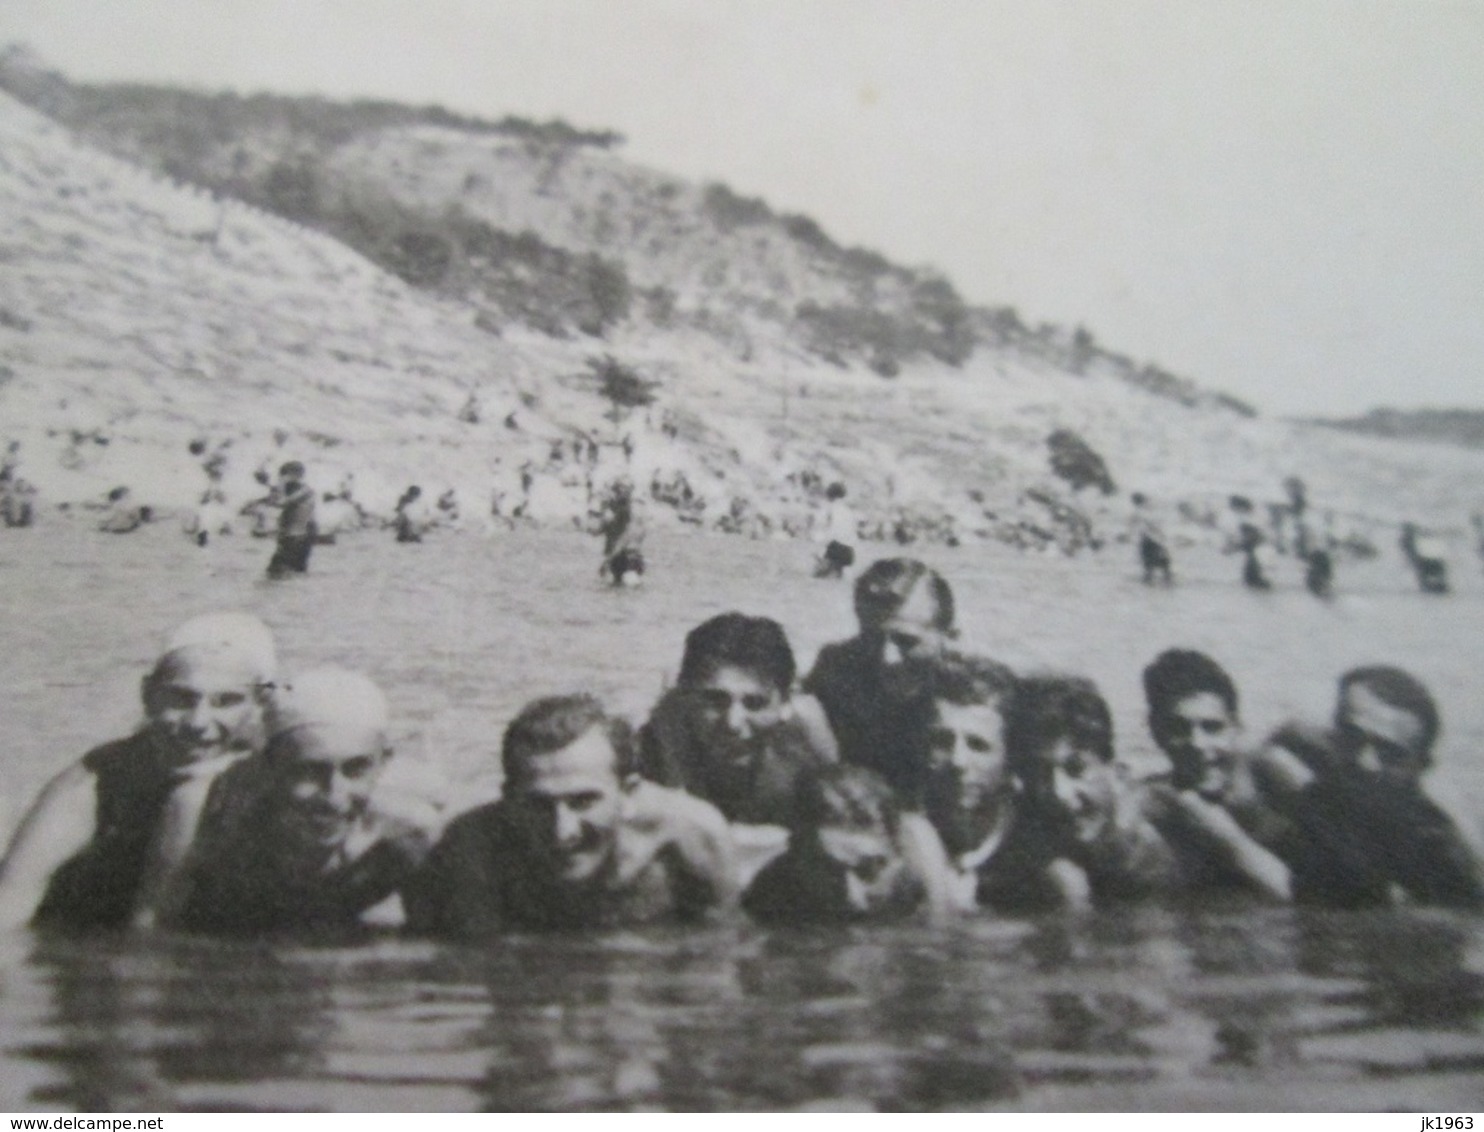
column 1461, row 427
column 138, row 312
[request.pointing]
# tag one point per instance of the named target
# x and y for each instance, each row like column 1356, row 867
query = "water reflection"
column 1161, row 1008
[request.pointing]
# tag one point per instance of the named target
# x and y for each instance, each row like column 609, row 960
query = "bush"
column 1074, row 460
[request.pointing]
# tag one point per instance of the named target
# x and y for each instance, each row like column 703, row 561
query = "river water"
column 1228, row 1008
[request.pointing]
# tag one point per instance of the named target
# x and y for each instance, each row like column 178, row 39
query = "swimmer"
column 732, row 731
column 413, row 519
column 1081, row 815
column 1209, row 807
column 294, row 841
column 296, row 526
column 852, row 855
column 122, row 515
column 1154, row 553
column 1427, row 556
column 577, row 841
column 115, row 824
column 1366, row 832
column 623, row 536
column 970, row 795
column 877, row 703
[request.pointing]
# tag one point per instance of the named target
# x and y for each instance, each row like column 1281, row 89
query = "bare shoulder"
column 670, row 814
column 813, row 723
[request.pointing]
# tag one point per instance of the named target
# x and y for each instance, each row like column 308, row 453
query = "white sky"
column 1281, row 198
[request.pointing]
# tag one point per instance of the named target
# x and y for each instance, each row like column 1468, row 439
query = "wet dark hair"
column 969, row 680
column 554, row 722
column 757, row 644
column 1400, row 689
column 838, row 795
column 1177, row 674
column 886, row 585
column 1048, row 708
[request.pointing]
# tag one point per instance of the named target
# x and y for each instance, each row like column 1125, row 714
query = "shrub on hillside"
column 1073, row 460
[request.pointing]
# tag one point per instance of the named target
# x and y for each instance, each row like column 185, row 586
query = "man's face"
column 967, row 773
column 326, row 775
column 1201, row 737
column 1077, row 789
column 871, row 864
column 735, row 710
column 569, row 803
column 909, row 634
column 203, row 707
column 1379, row 738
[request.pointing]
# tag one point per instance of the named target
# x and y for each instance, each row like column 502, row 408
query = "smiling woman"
column 106, row 832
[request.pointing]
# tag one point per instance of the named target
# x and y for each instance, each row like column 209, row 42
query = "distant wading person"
column 107, row 832
column 1427, row 557
column 839, row 553
column 1154, row 554
column 623, row 536
column 296, row 526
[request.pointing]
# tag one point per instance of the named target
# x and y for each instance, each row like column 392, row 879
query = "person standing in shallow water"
column 293, row 841
column 871, row 687
column 106, row 833
column 578, row 840
column 622, row 529
column 296, row 526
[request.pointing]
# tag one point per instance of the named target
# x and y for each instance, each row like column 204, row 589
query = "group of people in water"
column 902, row 777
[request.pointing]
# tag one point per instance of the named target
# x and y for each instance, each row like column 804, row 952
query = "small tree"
column 621, row 386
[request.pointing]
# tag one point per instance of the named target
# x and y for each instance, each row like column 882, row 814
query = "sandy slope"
column 142, row 313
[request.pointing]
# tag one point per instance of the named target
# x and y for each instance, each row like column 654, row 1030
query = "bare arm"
column 1220, row 831
column 59, row 825
column 925, row 855
column 815, row 725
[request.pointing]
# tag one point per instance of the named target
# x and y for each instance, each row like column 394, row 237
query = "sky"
column 1283, row 199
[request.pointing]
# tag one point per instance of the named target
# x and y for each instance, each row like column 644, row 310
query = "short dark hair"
column 837, row 794
column 887, row 583
column 1052, row 707
column 553, row 722
column 292, row 468
column 969, row 680
column 1400, row 689
column 1177, row 674
column 757, row 644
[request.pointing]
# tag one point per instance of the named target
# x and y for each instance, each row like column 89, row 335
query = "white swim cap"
column 234, row 636
column 333, row 699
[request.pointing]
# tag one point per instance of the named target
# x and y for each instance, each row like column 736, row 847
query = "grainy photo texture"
column 754, row 556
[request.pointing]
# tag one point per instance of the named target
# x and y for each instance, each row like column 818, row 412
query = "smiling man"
column 579, row 840
column 108, row 828
column 1209, row 807
column 732, row 731
column 293, row 841
column 1366, row 833
column 872, row 687
column 1081, row 815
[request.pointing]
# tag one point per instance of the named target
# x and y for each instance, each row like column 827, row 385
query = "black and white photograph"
column 751, row 556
